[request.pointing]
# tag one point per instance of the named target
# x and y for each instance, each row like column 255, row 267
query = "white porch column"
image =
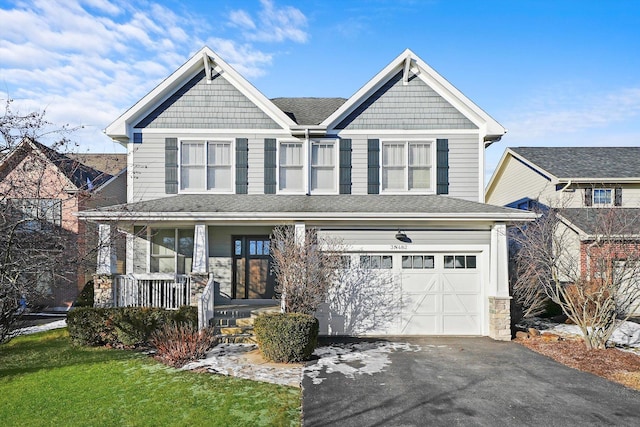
column 107, row 262
column 299, row 232
column 200, row 250
column 499, row 268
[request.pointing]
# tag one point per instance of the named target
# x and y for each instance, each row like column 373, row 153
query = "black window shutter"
column 270, row 165
column 588, row 196
column 617, row 201
column 442, row 165
column 171, row 165
column 345, row 166
column 242, row 165
column 373, row 171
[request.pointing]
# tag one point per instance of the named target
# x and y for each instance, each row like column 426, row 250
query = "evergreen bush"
column 286, row 337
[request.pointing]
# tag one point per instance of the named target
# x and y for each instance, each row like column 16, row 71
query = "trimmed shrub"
column 134, row 325
column 123, row 326
column 286, row 337
column 85, row 298
column 180, row 343
column 89, row 326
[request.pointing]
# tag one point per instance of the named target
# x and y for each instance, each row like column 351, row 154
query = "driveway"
column 455, row 381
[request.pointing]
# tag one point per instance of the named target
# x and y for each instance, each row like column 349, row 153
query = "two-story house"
column 596, row 191
column 396, row 172
column 41, row 191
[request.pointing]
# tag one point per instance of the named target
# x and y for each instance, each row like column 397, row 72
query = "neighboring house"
column 40, row 187
column 590, row 186
column 396, row 172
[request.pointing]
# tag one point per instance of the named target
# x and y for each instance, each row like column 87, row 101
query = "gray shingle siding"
column 198, row 105
column 411, row 106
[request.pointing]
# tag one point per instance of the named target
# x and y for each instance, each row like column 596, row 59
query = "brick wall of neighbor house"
column 606, row 252
column 500, row 318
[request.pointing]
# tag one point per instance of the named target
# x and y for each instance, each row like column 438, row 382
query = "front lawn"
column 46, row 381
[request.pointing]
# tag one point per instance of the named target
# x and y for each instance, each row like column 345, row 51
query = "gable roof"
column 333, row 207
column 308, row 111
column 409, row 63
column 110, row 163
column 583, row 162
column 204, row 60
column 79, row 174
column 590, row 221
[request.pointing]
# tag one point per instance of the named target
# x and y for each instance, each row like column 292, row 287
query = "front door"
column 252, row 276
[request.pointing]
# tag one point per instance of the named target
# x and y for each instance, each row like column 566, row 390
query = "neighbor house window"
column 171, row 250
column 601, row 196
column 291, row 165
column 407, row 166
column 206, row 166
column 323, row 166
column 37, row 214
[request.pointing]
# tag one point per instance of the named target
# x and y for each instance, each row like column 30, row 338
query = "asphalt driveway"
column 455, row 381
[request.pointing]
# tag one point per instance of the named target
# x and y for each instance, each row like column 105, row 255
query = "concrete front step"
column 234, row 323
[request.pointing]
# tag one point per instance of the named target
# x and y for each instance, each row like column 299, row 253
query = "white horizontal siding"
column 443, row 237
column 517, row 181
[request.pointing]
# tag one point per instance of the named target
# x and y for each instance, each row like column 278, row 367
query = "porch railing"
column 206, row 305
column 169, row 291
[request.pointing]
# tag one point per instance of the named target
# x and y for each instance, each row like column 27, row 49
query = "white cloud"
column 565, row 113
column 87, row 61
column 273, row 24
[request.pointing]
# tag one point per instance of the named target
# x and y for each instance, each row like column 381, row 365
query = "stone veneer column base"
column 500, row 318
column 198, row 283
column 102, row 291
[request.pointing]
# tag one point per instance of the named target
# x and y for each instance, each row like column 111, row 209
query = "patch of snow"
column 354, row 359
column 627, row 335
column 41, row 328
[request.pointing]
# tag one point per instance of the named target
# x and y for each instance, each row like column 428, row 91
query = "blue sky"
column 552, row 72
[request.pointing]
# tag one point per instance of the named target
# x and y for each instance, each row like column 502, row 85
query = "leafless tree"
column 32, row 236
column 305, row 267
column 593, row 277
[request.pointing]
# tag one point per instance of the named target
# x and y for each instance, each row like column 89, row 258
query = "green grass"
column 44, row 381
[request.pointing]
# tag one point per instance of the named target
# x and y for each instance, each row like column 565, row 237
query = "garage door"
column 440, row 295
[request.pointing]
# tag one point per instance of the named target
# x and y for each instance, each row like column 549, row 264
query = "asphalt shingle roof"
column 270, row 203
column 620, row 221
column 585, row 162
column 308, row 111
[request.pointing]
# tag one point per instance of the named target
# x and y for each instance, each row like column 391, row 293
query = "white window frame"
column 336, row 165
column 231, row 166
column 612, row 196
column 406, row 167
column 305, row 167
column 175, row 256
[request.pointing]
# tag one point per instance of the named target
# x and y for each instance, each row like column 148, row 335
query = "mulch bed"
column 615, row 365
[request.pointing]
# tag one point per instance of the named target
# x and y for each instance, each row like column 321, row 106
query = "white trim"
column 284, row 216
column 336, row 165
column 406, row 142
column 408, row 132
column 205, row 142
column 208, row 131
column 305, row 166
column 121, row 129
column 434, row 80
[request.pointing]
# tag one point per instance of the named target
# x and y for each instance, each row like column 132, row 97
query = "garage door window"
column 376, row 262
column 417, row 261
column 460, row 261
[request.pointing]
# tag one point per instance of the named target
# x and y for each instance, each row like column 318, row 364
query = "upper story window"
column 323, row 167
column 206, row 166
column 38, row 214
column 603, row 197
column 291, row 165
column 407, row 166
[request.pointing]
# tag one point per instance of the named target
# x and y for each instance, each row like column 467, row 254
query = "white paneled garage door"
column 441, row 295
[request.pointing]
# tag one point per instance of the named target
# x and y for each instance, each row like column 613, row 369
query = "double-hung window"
column 171, row 250
column 323, row 167
column 206, row 166
column 602, row 196
column 407, row 166
column 291, row 164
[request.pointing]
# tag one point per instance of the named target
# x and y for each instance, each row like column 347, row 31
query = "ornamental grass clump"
column 177, row 344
